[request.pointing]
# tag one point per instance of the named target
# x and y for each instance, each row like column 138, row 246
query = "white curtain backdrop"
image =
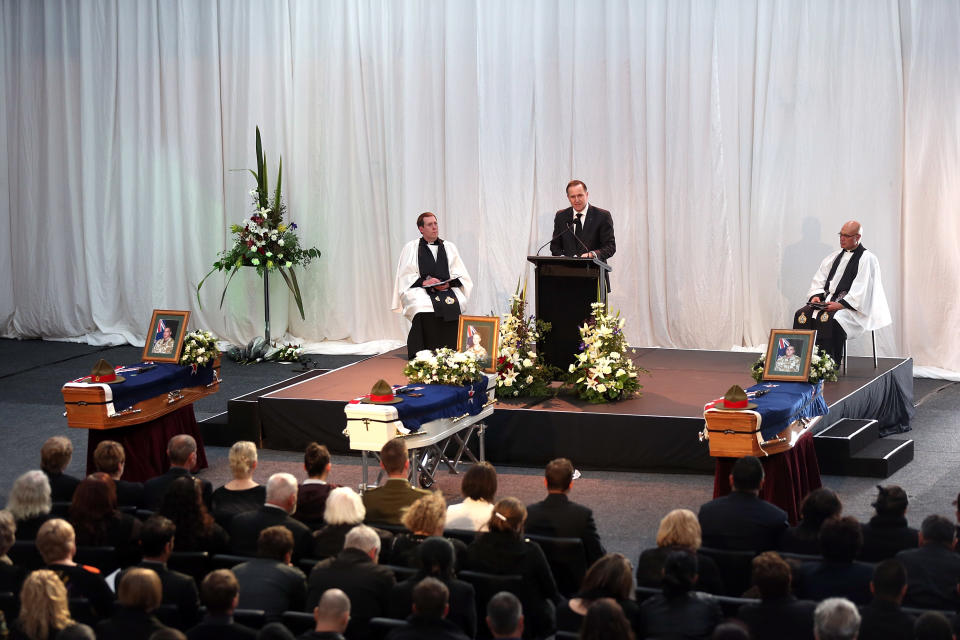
column 730, row 140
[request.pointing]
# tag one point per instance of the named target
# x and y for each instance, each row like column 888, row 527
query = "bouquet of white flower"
column 288, row 353
column 603, row 370
column 443, row 366
column 199, row 348
column 520, row 369
column 822, row 367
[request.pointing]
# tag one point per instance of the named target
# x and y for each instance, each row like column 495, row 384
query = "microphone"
column 565, row 229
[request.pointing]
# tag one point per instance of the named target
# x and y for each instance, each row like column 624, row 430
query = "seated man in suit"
column 883, row 617
column 156, row 541
column 557, row 516
column 110, row 458
column 270, row 582
column 428, row 621
column 741, row 520
column 182, row 451
column 387, row 503
column 56, row 542
column 933, row 570
column 281, row 502
column 55, row 457
column 838, row 575
column 505, row 616
column 220, row 593
column 779, row 614
column 312, row 496
column 356, row 571
column 331, row 616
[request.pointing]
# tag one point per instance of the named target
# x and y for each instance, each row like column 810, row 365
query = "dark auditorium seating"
column 401, row 573
column 253, row 618
column 107, row 559
column 466, row 536
column 226, row 561
column 10, row 606
column 82, row 611
column 567, row 559
column 24, row 554
column 735, row 567
column 486, row 585
column 298, row 622
column 380, row 627
column 731, row 605
column 196, row 564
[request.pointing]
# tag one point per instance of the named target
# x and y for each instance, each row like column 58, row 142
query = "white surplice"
column 413, row 300
column 866, row 296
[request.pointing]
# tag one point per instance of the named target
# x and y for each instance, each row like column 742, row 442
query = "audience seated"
column 269, row 581
column 11, row 576
column 816, row 507
column 505, row 616
column 156, row 541
column 29, row 503
column 558, row 516
column 196, row 529
column 838, row 574
column 887, row 532
column 387, row 503
column 242, row 493
column 503, row 551
column 55, row 457
column 883, row 618
column 428, row 617
column 355, row 571
column 679, row 611
column 605, row 620
column 679, row 531
column 43, row 607
column 110, row 458
column 836, row 619
column 609, row 577
column 312, row 496
column 331, row 616
column 138, row 596
column 424, row 518
column 343, row 511
column 182, row 452
column 435, row 559
column 219, row 592
column 933, row 570
column 56, row 543
column 98, row 523
column 779, row 614
column 479, row 488
column 281, row 501
column 933, row 625
column 741, row 520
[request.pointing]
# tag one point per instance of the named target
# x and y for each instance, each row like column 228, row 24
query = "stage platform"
column 657, row 431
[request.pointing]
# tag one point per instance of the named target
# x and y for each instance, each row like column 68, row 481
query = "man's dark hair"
column 891, row 500
column 574, row 183
column 503, row 613
column 747, row 474
column 275, row 543
column 932, row 625
column 218, row 590
column 559, row 474
column 316, row 458
column 480, row 482
column 423, row 216
column 937, row 529
column 393, row 455
column 819, row 505
column 430, row 598
column 889, row 579
column 771, row 575
column 155, row 533
column 436, row 558
column 840, row 539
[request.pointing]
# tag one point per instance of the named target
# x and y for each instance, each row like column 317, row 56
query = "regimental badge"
column 803, row 318
column 448, row 300
column 437, row 298
column 824, row 316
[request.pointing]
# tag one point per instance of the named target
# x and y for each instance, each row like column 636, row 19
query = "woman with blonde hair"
column 242, row 493
column 29, row 503
column 502, row 550
column 679, row 531
column 43, row 607
column 424, row 518
column 11, row 576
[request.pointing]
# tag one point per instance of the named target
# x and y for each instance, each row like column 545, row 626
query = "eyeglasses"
column 848, row 235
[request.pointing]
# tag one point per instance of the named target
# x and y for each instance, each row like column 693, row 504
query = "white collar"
column 314, row 481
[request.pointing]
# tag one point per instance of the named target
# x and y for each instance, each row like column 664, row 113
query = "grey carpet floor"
column 628, row 506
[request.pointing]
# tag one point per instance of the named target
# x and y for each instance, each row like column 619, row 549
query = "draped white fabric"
column 730, row 140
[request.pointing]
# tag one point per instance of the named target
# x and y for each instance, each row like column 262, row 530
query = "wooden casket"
column 734, row 434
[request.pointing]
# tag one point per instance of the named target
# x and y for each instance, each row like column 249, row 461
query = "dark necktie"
column 577, row 226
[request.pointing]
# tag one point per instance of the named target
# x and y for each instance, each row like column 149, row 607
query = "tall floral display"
column 264, row 241
column 520, row 370
column 603, row 370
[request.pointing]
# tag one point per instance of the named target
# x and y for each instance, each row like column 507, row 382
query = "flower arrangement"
column 199, row 348
column 520, row 369
column 603, row 370
column 822, row 367
column 288, row 353
column 264, row 240
column 443, row 366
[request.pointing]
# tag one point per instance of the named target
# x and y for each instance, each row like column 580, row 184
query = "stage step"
column 853, row 448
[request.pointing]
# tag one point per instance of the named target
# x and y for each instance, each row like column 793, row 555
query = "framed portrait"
column 165, row 335
column 480, row 335
column 788, row 355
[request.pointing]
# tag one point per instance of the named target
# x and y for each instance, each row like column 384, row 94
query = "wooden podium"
column 566, row 287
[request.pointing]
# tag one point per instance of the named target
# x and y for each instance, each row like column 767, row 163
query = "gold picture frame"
column 480, row 335
column 161, row 346
column 788, row 355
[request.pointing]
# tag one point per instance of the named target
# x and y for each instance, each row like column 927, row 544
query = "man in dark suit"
column 220, row 592
column 110, row 458
column 387, row 503
column 182, row 451
column 505, row 616
column 741, row 520
column 582, row 230
column 883, row 617
column 156, row 541
column 428, row 621
column 281, row 501
column 779, row 614
column 933, row 570
column 55, row 457
column 558, row 517
column 270, row 582
column 838, row 575
column 331, row 616
column 355, row 571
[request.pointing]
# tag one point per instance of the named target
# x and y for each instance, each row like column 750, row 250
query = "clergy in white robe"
column 431, row 288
